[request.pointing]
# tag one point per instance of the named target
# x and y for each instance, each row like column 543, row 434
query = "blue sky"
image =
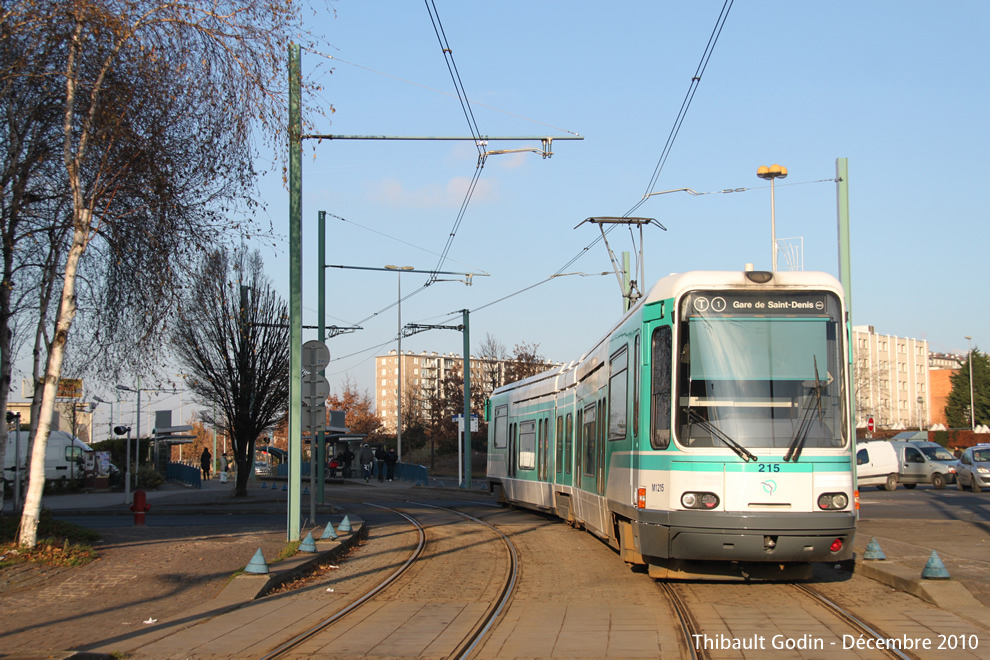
column 898, row 88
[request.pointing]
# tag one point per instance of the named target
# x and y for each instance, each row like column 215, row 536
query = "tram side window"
column 590, row 435
column 501, row 427
column 527, row 445
column 577, row 454
column 637, row 360
column 559, row 446
column 568, row 440
column 617, row 395
column 660, row 388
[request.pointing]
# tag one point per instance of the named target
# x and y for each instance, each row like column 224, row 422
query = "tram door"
column 544, row 441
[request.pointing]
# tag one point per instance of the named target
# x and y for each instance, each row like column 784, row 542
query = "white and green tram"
column 708, row 434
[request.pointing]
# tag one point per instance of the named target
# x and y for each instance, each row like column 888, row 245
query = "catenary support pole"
column 321, row 283
column 845, row 261
column 295, row 294
column 467, row 400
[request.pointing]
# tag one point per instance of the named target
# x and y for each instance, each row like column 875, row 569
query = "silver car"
column 974, row 468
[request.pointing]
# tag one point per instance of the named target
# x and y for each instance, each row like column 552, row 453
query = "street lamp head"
column 391, row 267
column 773, row 172
column 124, row 388
column 99, row 400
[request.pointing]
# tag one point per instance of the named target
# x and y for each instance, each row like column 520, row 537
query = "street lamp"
column 972, row 411
column 127, row 471
column 398, row 412
column 121, row 430
column 773, row 172
column 109, row 403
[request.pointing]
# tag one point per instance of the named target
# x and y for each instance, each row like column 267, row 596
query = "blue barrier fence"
column 186, row 474
column 403, row 472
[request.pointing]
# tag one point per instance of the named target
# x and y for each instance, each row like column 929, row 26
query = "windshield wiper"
column 801, row 435
column 716, row 432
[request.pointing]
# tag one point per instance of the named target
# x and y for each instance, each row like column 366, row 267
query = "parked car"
column 936, row 453
column 876, row 465
column 973, row 470
column 916, row 468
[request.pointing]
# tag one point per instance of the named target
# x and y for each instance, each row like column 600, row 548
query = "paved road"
column 158, row 571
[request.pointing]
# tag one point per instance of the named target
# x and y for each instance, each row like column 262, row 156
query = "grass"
column 59, row 543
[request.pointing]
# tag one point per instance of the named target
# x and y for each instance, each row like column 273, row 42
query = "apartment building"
column 891, row 380
column 422, row 373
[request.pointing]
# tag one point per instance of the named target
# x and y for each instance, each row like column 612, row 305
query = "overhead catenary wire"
column 686, row 103
column 448, row 56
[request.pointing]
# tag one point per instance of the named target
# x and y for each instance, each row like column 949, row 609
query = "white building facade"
column 890, row 380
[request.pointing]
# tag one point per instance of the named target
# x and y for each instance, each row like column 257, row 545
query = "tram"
column 707, row 435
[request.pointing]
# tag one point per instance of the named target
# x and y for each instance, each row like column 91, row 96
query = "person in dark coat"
column 390, row 460
column 206, row 462
column 367, row 460
column 380, row 458
column 347, row 457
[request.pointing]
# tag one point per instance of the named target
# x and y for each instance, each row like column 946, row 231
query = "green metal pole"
column 321, row 283
column 842, row 201
column 295, row 294
column 467, row 400
column 845, row 261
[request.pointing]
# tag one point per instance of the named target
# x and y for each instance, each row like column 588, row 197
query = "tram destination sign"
column 756, row 303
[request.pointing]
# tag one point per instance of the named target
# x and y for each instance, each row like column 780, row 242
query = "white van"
column 65, row 456
column 877, row 464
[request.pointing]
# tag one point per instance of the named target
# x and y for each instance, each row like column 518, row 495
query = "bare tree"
column 148, row 160
column 525, row 362
column 233, row 341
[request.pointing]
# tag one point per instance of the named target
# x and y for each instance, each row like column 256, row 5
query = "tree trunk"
column 53, row 371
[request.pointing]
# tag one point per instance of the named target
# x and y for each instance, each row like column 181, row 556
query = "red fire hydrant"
column 140, row 507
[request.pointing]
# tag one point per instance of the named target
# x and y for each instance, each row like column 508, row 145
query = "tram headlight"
column 833, row 501
column 699, row 500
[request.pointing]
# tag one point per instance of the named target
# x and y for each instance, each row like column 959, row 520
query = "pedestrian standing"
column 380, row 457
column 390, row 460
column 224, row 465
column 205, row 462
column 367, row 460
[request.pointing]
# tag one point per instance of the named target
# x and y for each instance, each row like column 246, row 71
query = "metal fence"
column 186, row 474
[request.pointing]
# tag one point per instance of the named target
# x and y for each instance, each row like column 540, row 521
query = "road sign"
column 460, row 423
column 315, row 356
column 314, row 419
column 315, row 390
column 870, row 425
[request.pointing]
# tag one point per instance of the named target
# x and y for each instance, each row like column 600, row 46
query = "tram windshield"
column 761, row 370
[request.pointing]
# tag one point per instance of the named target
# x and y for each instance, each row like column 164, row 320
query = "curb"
column 245, row 586
column 947, row 595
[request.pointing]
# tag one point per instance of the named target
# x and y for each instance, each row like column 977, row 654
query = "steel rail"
column 688, row 625
column 300, row 638
column 851, row 620
column 470, row 643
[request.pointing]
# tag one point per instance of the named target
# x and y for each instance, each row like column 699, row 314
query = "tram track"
column 688, row 625
column 403, row 576
column 852, row 621
column 693, row 627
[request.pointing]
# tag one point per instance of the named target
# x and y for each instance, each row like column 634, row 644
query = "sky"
column 897, row 88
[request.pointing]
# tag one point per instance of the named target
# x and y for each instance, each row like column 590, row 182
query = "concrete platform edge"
column 948, row 595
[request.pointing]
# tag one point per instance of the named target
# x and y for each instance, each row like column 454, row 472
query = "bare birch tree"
column 156, row 108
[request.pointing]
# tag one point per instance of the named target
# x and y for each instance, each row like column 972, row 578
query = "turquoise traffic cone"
column 345, row 525
column 935, row 569
column 257, row 565
column 328, row 532
column 873, row 551
column 308, row 544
